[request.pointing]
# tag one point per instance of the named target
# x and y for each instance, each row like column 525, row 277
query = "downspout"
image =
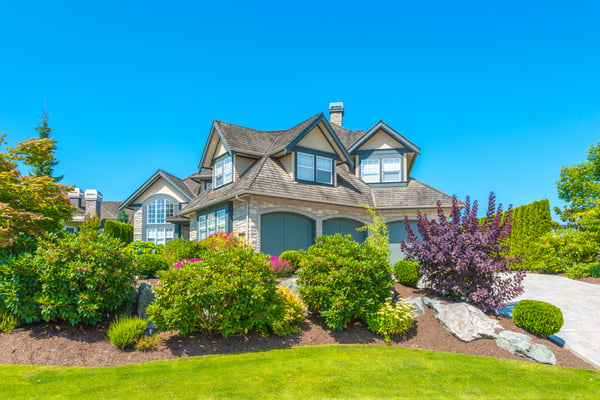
column 247, row 216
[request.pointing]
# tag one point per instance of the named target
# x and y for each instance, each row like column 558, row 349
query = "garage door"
column 397, row 235
column 345, row 226
column 285, row 231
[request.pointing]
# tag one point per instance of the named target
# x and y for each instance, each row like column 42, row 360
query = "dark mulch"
column 61, row 344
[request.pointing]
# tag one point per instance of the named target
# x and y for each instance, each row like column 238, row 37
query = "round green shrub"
column 181, row 249
column 407, row 272
column 343, row 280
column 391, row 319
column 148, row 265
column 292, row 256
column 231, row 291
column 538, row 317
column 125, row 331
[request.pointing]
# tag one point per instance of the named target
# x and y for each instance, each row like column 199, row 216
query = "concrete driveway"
column 580, row 305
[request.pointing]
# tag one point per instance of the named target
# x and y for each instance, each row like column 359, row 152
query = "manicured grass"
column 316, row 372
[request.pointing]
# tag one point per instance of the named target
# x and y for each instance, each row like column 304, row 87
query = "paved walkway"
column 580, row 305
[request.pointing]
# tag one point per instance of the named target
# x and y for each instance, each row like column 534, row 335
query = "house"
column 281, row 189
column 90, row 204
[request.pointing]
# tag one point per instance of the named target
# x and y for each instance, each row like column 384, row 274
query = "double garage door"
column 287, row 231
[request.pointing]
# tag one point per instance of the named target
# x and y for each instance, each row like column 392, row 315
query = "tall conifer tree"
column 45, row 167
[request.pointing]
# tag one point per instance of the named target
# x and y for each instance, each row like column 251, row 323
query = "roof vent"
column 336, row 112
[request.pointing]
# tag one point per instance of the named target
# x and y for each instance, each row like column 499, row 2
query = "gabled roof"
column 185, row 187
column 390, row 131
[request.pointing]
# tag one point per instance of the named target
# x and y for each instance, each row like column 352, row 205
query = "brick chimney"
column 93, row 201
column 336, row 112
column 75, row 197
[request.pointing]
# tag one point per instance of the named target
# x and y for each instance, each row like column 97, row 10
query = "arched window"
column 158, row 210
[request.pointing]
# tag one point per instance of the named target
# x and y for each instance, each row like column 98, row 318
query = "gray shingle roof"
column 187, row 185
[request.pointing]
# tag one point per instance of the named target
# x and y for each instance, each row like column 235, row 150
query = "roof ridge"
column 258, row 169
column 430, row 187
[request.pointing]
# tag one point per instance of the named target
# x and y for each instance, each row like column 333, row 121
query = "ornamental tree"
column 463, row 258
column 29, row 205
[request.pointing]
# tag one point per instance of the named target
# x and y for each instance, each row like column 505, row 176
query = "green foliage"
column 122, row 217
column 223, row 241
column 231, row 291
column 75, row 278
column 149, row 265
column 91, row 225
column 538, row 317
column 563, row 250
column 8, row 321
column 530, row 222
column 584, row 270
column 342, row 279
column 391, row 318
column 45, row 167
column 407, row 272
column 289, row 312
column 579, row 185
column 138, row 247
column 126, row 331
column 119, row 230
column 293, row 256
column 29, row 206
column 147, row 343
column 181, row 249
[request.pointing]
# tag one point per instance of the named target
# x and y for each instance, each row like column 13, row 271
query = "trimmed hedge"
column 119, row 230
column 538, row 317
column 407, row 272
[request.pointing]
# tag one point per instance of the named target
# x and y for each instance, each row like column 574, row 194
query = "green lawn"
column 316, row 372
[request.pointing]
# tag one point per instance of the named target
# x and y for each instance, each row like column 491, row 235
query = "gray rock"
column 146, row 296
column 432, row 303
column 465, row 322
column 131, row 307
column 520, row 345
column 417, row 306
column 291, row 284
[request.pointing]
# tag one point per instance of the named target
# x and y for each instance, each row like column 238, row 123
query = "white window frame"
column 158, row 210
column 159, row 235
column 388, row 170
column 305, row 168
column 223, row 171
column 328, row 171
column 373, row 176
column 212, row 222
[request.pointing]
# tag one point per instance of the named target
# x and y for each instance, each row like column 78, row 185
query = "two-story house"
column 281, row 189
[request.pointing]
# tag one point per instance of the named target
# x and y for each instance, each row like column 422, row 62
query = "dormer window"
column 379, row 168
column 314, row 168
column 223, row 171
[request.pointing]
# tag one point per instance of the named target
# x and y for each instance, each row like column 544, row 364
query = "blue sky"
column 498, row 95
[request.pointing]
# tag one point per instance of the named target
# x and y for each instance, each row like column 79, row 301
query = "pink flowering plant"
column 182, row 263
column 280, row 267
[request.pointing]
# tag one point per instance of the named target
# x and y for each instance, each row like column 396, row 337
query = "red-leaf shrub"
column 462, row 258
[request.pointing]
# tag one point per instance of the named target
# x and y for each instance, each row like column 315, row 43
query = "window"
column 307, row 170
column 370, row 170
column 381, row 170
column 391, row 170
column 159, row 235
column 223, row 170
column 158, row 210
column 211, row 222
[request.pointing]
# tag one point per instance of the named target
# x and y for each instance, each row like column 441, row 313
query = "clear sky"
column 498, row 95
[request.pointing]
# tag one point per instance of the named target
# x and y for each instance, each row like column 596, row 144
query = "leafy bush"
column 562, row 250
column 147, row 343
column 8, row 322
column 538, row 317
column 583, row 270
column 293, row 257
column 182, row 263
column 119, row 230
column 407, row 272
column 391, row 318
column 126, row 331
column 280, row 267
column 138, row 247
column 181, row 249
column 223, row 241
column 462, row 258
column 75, row 278
column 342, row 279
column 289, row 312
column 230, row 291
column 148, row 265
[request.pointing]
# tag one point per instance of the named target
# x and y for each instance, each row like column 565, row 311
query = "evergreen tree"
column 122, row 216
column 45, row 167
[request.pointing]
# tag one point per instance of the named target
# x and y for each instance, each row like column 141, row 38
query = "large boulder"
column 417, row 306
column 465, row 322
column 146, row 296
column 520, row 345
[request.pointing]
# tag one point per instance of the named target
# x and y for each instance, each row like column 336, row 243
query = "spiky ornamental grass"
column 462, row 258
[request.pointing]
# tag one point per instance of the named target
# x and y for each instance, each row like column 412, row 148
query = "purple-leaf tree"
column 462, row 258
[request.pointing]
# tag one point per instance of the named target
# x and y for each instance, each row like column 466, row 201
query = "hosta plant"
column 462, row 258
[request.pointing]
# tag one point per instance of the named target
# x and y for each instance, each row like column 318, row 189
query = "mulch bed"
column 64, row 345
